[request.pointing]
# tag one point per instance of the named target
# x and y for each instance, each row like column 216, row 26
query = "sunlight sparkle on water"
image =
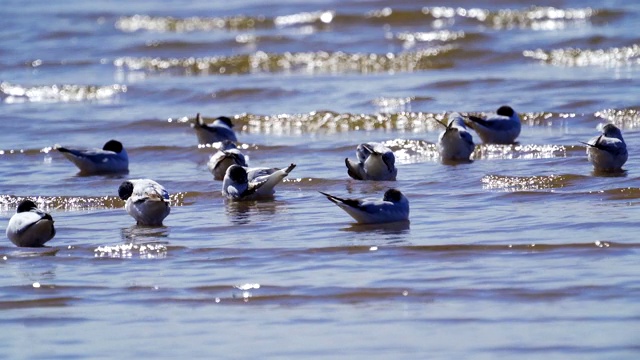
column 144, row 251
column 247, row 286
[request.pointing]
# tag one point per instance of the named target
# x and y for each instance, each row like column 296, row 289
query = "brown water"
column 524, row 252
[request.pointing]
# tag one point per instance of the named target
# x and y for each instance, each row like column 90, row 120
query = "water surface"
column 524, row 252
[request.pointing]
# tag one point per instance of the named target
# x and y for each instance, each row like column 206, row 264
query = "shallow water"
column 525, row 252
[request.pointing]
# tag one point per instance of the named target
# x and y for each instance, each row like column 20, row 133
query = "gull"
column 608, row 151
column 375, row 162
column 249, row 184
column 219, row 130
column 394, row 206
column 146, row 201
column 112, row 158
column 227, row 155
column 503, row 127
column 455, row 143
column 30, row 226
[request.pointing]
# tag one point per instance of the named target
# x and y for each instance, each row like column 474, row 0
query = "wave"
column 391, row 117
column 573, row 57
column 534, row 17
column 61, row 301
column 170, row 24
column 10, row 202
column 623, row 118
column 13, row 93
column 415, row 122
column 308, row 62
column 528, row 183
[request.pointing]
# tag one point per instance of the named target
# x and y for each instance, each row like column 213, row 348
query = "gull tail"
column 472, row 120
column 288, row 169
column 331, row 198
column 199, row 122
column 340, row 201
column 596, row 143
column 75, row 153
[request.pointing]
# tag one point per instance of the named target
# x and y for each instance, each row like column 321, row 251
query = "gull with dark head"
column 30, row 226
column 503, row 127
column 393, row 207
column 375, row 162
column 112, row 158
column 146, row 201
column 249, row 184
column 228, row 154
column 607, row 152
column 455, row 143
column 221, row 129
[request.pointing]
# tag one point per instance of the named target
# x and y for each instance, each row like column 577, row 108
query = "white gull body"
column 607, row 152
column 503, row 127
column 30, row 226
column 393, row 207
column 455, row 143
column 112, row 158
column 146, row 201
column 253, row 183
column 374, row 162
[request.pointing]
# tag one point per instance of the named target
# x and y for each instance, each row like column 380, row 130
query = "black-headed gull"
column 607, row 152
column 221, row 129
column 248, row 184
column 393, row 207
column 228, row 154
column 455, row 143
column 30, row 226
column 503, row 127
column 146, row 201
column 112, row 158
column 375, row 162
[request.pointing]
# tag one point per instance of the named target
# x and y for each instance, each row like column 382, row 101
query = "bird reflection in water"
column 144, row 234
column 394, row 228
column 243, row 212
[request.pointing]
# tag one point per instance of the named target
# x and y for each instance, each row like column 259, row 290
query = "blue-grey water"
column 524, row 252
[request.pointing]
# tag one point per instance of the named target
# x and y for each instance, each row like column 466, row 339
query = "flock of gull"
column 148, row 202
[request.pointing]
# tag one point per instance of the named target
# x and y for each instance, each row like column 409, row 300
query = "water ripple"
column 171, row 24
column 535, row 17
column 130, row 250
column 572, row 57
column 526, row 183
column 13, row 93
column 392, row 115
column 311, row 62
column 526, row 151
column 623, row 118
column 10, row 202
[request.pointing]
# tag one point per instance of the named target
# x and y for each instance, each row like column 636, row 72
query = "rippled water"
column 525, row 252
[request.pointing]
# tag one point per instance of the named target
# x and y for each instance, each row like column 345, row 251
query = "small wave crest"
column 573, row 57
column 10, row 202
column 310, row 62
column 170, row 24
column 13, row 93
column 535, row 17
column 526, row 183
column 131, row 250
column 525, row 151
column 623, row 118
